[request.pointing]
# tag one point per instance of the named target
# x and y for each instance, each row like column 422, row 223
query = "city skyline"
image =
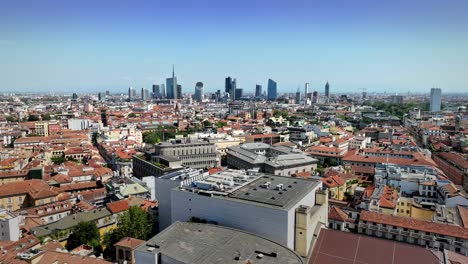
column 87, row 46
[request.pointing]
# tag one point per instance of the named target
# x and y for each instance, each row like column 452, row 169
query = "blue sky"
column 393, row 46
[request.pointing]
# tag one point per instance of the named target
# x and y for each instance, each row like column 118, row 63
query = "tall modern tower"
column 171, row 86
column 199, row 93
column 298, row 96
column 272, row 89
column 436, row 98
column 156, row 91
column 131, row 93
column 230, row 87
column 327, row 89
column 306, row 89
column 258, row 90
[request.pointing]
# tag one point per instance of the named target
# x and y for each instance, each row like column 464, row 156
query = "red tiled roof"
column 415, row 224
column 117, row 207
column 337, row 214
column 129, row 242
column 37, row 189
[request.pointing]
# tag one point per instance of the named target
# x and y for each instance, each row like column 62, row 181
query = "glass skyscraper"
column 272, row 88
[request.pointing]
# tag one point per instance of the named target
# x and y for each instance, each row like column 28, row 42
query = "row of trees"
column 135, row 223
column 44, row 117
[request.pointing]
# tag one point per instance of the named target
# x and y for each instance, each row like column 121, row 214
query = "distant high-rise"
column 272, row 89
column 258, row 90
column 171, row 86
column 298, row 96
column 199, row 93
column 163, row 90
column 436, row 98
column 144, row 94
column 238, row 93
column 156, row 91
column 315, row 97
column 74, row 97
column 131, row 93
column 306, row 89
column 107, row 93
column 327, row 89
column 179, row 91
column 230, row 87
column 99, row 96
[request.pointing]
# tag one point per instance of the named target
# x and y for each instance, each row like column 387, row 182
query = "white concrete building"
column 286, row 210
column 9, row 226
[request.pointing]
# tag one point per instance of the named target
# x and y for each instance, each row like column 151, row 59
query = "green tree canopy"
column 135, row 223
column 84, row 233
column 57, row 160
column 46, row 117
column 33, row 118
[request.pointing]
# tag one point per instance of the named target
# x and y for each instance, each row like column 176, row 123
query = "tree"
column 33, row 118
column 207, row 123
column 131, row 115
column 94, row 138
column 84, row 233
column 46, row 117
column 11, row 119
column 57, row 160
column 135, row 223
column 220, row 124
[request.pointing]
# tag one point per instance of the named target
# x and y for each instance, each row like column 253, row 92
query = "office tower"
column 272, row 88
column 199, row 93
column 364, row 95
column 107, row 93
column 99, row 96
column 238, row 94
column 436, row 94
column 74, row 97
column 298, row 96
column 327, row 90
column 306, row 90
column 396, row 99
column 163, row 90
column 258, row 90
column 171, row 86
column 230, row 87
column 144, row 94
column 179, row 92
column 130, row 93
column 156, row 91
column 218, row 96
column 315, row 97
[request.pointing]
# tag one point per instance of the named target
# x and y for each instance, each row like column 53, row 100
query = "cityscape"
column 230, row 141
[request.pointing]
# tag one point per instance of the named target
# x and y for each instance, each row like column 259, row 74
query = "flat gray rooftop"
column 292, row 190
column 204, row 244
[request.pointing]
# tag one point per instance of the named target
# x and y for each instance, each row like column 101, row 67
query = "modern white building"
column 286, row 210
column 9, row 226
column 163, row 186
column 436, row 98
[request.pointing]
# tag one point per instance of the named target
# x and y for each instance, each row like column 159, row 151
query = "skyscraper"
column 131, row 93
column 327, row 90
column 179, row 92
column 144, row 93
column 99, row 96
column 238, row 93
column 272, row 88
column 298, row 96
column 171, row 86
column 315, row 97
column 163, row 90
column 306, row 89
column 230, row 87
column 156, row 91
column 258, row 90
column 435, row 104
column 199, row 93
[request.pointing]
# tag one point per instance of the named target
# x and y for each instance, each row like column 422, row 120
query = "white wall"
column 270, row 223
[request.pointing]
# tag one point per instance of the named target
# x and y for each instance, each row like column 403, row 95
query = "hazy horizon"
column 384, row 46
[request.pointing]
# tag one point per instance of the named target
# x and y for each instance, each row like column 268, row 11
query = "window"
column 121, row 253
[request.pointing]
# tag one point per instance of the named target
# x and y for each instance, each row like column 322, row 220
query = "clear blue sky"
column 394, row 46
